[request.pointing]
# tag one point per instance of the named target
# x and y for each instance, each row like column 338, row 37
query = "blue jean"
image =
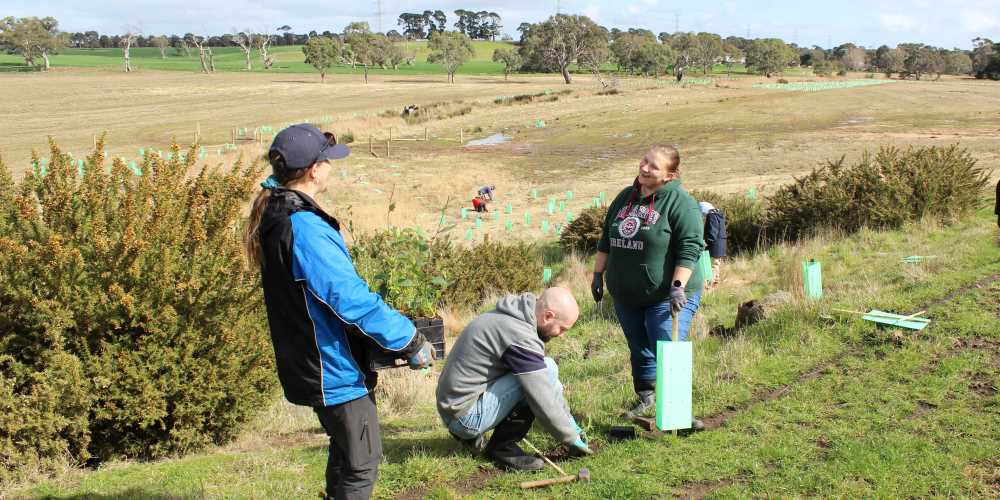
column 644, row 326
column 495, row 404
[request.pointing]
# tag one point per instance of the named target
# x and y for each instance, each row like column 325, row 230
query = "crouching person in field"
column 322, row 316
column 498, row 377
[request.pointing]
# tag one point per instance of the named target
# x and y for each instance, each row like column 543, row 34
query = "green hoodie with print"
column 646, row 238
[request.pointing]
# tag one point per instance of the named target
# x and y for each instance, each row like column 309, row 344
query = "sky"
column 943, row 23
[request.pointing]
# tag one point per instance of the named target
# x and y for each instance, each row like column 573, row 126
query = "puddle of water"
column 854, row 120
column 492, row 140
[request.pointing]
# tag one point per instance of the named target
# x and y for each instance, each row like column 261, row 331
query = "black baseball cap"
column 302, row 145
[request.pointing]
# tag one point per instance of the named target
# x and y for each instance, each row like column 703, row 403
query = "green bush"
column 744, row 219
column 129, row 325
column 475, row 273
column 881, row 190
column 416, row 275
column 583, row 232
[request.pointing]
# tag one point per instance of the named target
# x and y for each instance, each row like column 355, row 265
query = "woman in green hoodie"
column 648, row 253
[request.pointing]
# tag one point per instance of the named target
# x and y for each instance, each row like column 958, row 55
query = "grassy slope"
column 289, row 59
column 884, row 416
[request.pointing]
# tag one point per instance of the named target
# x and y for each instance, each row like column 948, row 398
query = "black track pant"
column 355, row 448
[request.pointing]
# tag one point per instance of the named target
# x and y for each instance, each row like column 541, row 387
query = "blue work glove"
column 578, row 429
column 580, row 449
column 597, row 287
column 677, row 297
column 423, row 358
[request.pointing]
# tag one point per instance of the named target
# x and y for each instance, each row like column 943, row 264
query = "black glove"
column 677, row 297
column 597, row 287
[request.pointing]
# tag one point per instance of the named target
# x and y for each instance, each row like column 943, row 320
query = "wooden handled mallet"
column 582, row 475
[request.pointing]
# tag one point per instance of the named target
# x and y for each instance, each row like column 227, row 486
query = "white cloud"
column 977, row 22
column 897, row 22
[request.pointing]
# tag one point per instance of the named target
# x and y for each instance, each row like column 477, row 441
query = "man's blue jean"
column 645, row 326
column 496, row 403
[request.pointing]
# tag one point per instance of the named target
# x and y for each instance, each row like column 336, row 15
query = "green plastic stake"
column 752, row 193
column 674, row 381
column 509, row 209
column 597, row 202
column 545, row 226
column 539, row 123
column 558, row 228
column 495, row 215
column 142, row 152
column 465, row 213
column 705, row 263
column 562, row 206
column 534, row 193
column 569, row 217
column 479, row 223
column 441, row 221
column 546, row 275
column 602, row 196
column 527, row 219
column 469, row 234
column 552, row 207
column 812, row 279
column 509, row 225
column 569, row 195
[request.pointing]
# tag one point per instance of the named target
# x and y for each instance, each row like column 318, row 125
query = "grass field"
column 731, row 135
column 288, row 59
column 809, row 402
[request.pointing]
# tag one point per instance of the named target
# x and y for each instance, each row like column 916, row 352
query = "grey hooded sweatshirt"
column 500, row 342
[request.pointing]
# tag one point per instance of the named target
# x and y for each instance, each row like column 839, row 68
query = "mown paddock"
column 732, row 136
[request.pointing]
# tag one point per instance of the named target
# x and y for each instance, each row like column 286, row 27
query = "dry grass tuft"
column 400, row 391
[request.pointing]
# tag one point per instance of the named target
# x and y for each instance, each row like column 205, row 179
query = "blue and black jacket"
column 323, row 318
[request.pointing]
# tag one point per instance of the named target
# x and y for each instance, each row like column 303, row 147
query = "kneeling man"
column 497, row 377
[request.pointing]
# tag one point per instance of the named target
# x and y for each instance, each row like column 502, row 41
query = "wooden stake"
column 674, row 336
column 425, row 134
column 371, row 148
column 461, row 135
column 553, row 464
column 387, row 154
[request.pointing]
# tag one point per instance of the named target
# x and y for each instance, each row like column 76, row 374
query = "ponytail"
column 251, row 236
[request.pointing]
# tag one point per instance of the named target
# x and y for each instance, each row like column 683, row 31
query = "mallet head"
column 583, row 475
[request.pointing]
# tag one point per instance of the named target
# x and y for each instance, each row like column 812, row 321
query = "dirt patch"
column 701, row 489
column 461, row 487
column 983, row 386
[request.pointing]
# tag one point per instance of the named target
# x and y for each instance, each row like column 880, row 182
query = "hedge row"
column 884, row 189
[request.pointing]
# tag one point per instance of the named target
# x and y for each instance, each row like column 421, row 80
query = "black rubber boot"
column 646, row 390
column 503, row 448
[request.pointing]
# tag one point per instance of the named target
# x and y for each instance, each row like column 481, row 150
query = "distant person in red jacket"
column 479, row 204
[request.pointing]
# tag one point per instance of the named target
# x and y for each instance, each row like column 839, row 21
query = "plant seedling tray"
column 433, row 330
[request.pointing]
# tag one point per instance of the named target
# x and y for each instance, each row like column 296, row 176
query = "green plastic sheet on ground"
column 674, row 379
column 897, row 320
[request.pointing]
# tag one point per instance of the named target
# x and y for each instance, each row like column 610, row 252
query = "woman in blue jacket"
column 322, row 316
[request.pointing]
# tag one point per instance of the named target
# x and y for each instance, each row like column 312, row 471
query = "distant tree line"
column 481, row 25
column 554, row 45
